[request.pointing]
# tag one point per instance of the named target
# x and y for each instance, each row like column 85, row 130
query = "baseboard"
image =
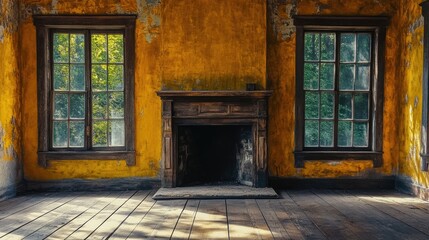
column 115, row 184
column 407, row 185
column 332, row 183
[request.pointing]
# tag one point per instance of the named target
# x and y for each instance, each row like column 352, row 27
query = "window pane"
column 363, row 76
column 311, row 138
column 99, row 105
column 77, row 48
column 360, row 134
column 117, row 133
column 116, row 105
column 61, row 106
column 60, row 133
column 116, row 48
column 347, row 76
column 345, row 106
column 77, row 106
column 326, row 134
column 311, row 46
column 61, row 77
column 311, row 76
column 344, row 134
column 364, row 47
column 77, row 77
column 348, row 47
column 77, row 133
column 99, row 48
column 361, row 106
column 99, row 133
column 327, row 101
column 328, row 46
column 99, row 77
column 116, row 77
column 61, row 48
column 327, row 76
column 311, row 105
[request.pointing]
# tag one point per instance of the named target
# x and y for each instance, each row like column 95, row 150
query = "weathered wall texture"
column 410, row 102
column 281, row 78
column 186, row 44
column 10, row 142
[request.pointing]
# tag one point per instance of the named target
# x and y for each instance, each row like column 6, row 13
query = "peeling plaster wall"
column 10, row 142
column 281, row 78
column 410, row 107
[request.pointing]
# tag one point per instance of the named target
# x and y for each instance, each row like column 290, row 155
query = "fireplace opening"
column 215, row 154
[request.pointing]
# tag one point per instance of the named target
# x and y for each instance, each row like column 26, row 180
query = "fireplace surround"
column 186, row 112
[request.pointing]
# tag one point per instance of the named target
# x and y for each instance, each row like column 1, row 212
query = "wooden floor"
column 134, row 215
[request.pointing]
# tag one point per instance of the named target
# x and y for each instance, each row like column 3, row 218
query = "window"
column 85, row 81
column 425, row 87
column 339, row 88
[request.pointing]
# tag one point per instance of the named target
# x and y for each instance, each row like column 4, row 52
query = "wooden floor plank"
column 116, row 219
column 76, row 223
column 89, row 227
column 186, row 220
column 43, row 198
column 272, row 220
column 257, row 218
column 130, row 223
column 241, row 223
column 301, row 220
column 210, row 221
column 286, row 219
column 22, row 218
column 159, row 222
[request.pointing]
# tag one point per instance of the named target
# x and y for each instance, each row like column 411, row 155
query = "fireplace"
column 214, row 137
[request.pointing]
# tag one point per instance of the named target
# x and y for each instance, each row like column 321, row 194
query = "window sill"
column 302, row 156
column 128, row 156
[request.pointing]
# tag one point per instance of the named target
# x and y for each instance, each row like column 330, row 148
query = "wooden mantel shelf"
column 209, row 94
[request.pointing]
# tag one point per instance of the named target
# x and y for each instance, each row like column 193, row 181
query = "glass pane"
column 328, row 46
column 99, row 134
column 361, row 106
column 360, row 134
column 348, row 47
column 327, row 76
column 116, row 105
column 60, row 137
column 61, row 77
column 364, row 47
column 326, row 134
column 77, row 48
column 99, row 105
column 99, row 77
column 311, row 46
column 99, row 48
column 61, row 48
column 77, row 134
column 61, row 106
column 116, row 77
column 327, row 101
column 311, row 76
column 345, row 106
column 347, row 76
column 363, row 75
column 117, row 133
column 77, row 77
column 311, row 105
column 344, row 134
column 77, row 106
column 311, row 138
column 116, row 48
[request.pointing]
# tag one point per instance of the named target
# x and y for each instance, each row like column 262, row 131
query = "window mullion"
column 88, row 113
column 336, row 87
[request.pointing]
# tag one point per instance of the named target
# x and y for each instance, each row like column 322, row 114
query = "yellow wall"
column 10, row 142
column 410, row 103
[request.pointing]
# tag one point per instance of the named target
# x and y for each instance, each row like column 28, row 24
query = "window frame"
column 377, row 27
column 424, row 154
column 46, row 25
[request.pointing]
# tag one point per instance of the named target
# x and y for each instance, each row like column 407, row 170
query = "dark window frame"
column 45, row 25
column 375, row 25
column 425, row 87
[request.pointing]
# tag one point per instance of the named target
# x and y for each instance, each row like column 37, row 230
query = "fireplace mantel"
column 188, row 108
